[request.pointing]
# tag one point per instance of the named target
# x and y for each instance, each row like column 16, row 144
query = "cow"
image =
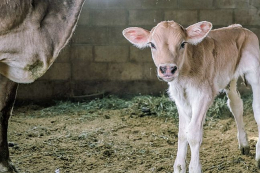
column 198, row 63
column 32, row 33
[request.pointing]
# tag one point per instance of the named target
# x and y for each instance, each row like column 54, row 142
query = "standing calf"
column 197, row 63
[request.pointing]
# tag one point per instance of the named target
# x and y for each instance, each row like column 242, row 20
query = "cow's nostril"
column 173, row 69
column 163, row 69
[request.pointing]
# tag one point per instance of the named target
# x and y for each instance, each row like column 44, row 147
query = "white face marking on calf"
column 167, row 42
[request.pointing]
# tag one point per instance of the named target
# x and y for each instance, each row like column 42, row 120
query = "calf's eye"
column 183, row 44
column 152, row 45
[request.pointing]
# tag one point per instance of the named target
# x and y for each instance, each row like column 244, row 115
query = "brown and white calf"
column 197, row 63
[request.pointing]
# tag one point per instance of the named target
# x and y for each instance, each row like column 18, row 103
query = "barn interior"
column 101, row 108
column 98, row 59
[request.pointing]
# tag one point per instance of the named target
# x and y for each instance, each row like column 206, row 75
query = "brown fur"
column 218, row 55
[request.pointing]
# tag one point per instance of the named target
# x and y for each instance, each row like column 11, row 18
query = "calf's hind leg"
column 254, row 79
column 7, row 98
column 235, row 105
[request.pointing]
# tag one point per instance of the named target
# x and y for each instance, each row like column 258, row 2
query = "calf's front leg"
column 195, row 131
column 7, row 98
column 180, row 161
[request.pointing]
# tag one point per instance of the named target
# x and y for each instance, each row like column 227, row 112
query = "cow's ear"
column 197, row 32
column 137, row 36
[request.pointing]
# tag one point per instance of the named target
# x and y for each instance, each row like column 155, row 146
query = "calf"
column 197, row 63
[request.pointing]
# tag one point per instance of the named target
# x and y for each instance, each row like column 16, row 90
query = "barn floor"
column 112, row 135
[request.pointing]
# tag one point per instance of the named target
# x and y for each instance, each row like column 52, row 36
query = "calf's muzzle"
column 167, row 70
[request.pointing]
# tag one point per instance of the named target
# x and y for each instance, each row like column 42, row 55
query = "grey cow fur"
column 32, row 33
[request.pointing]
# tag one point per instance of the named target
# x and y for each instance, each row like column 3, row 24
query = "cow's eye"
column 183, row 44
column 152, row 45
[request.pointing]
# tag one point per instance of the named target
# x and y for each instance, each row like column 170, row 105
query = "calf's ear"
column 137, row 36
column 197, row 32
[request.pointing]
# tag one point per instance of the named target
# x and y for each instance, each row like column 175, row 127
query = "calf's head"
column 167, row 42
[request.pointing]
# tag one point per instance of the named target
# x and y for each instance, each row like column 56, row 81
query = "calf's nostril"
column 163, row 69
column 173, row 69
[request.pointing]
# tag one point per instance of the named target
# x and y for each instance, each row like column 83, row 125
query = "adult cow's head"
column 167, row 42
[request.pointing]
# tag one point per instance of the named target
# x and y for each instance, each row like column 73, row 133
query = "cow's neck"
column 194, row 69
column 185, row 68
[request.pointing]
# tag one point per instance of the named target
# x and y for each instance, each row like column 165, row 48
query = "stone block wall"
column 99, row 59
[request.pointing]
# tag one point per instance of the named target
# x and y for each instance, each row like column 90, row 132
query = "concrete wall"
column 98, row 58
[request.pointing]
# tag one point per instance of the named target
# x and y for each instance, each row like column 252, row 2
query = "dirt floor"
column 72, row 137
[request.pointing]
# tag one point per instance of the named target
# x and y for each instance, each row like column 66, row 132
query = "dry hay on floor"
column 118, row 135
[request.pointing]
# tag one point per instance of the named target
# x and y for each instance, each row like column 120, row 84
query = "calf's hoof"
column 8, row 168
column 245, row 150
column 180, row 169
